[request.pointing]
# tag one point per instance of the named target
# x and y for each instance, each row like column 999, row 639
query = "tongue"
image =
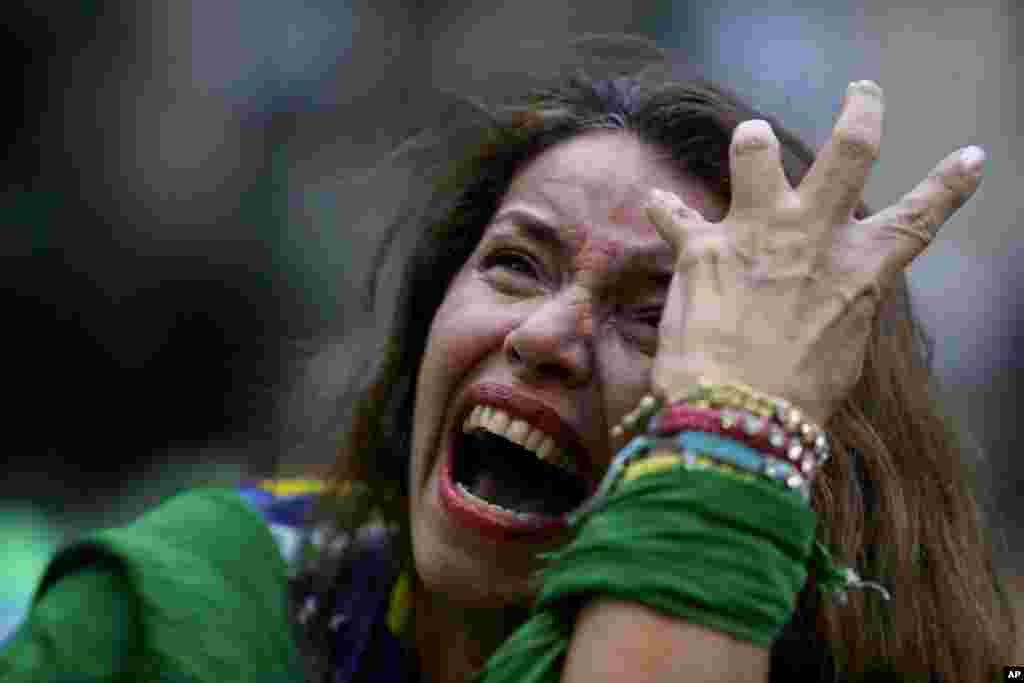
column 505, row 475
column 503, row 492
column 485, row 486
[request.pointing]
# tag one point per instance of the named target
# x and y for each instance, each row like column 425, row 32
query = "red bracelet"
column 757, row 432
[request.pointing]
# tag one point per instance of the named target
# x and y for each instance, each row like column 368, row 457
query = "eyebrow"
column 657, row 259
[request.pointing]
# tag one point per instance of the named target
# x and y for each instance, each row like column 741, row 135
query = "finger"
column 911, row 224
column 756, row 166
column 671, row 216
column 837, row 177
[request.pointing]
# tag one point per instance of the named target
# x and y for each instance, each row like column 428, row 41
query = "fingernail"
column 865, row 86
column 972, row 160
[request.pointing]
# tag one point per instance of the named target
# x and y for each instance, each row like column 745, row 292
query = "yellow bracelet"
column 661, row 460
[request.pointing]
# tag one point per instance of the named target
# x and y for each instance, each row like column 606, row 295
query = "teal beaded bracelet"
column 746, row 458
column 689, row 444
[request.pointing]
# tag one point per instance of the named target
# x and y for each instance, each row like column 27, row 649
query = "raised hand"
column 783, row 292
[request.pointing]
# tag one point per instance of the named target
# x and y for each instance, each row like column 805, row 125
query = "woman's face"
column 551, row 326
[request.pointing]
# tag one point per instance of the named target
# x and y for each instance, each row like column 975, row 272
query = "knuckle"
column 789, row 246
column 856, row 144
column 705, row 251
column 665, row 219
column 955, row 187
column 686, row 216
column 916, row 214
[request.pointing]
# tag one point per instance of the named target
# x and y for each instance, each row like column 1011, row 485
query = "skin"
column 778, row 290
column 574, row 328
column 781, row 295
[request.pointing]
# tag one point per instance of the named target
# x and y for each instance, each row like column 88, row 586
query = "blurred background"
column 176, row 209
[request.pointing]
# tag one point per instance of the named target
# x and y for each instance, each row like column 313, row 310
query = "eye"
column 649, row 316
column 513, row 261
column 641, row 326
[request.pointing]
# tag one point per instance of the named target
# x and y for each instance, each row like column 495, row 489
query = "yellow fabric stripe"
column 292, row 487
column 400, row 606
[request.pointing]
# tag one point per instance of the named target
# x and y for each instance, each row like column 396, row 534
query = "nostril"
column 510, row 349
column 513, row 354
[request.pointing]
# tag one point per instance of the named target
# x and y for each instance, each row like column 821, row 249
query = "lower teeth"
column 524, row 516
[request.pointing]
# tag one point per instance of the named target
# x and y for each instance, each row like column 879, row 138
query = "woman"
column 549, row 291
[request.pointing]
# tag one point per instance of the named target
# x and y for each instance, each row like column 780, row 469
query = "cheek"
column 465, row 333
column 460, row 338
column 630, row 372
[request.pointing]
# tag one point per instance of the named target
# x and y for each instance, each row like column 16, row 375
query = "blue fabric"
column 363, row 648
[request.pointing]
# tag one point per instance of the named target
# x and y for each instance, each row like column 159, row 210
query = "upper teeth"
column 521, row 432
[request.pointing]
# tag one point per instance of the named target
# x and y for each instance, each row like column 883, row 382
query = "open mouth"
column 507, row 475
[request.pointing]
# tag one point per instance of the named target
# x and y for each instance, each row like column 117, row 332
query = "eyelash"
column 497, row 257
column 653, row 315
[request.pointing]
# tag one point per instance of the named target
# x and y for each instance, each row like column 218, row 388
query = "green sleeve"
column 84, row 629
column 205, row 583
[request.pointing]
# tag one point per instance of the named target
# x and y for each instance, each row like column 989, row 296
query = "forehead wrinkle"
column 618, row 203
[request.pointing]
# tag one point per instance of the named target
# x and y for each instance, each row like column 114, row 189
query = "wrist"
column 674, row 381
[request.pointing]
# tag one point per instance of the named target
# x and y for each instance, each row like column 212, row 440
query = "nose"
column 554, row 341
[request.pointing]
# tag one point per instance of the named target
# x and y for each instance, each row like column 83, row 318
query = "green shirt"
column 194, row 591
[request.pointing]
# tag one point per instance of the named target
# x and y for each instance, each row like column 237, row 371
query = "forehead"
column 599, row 181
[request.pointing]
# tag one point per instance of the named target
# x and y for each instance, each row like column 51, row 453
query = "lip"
column 537, row 414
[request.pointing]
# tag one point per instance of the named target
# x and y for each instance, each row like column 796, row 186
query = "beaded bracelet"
column 737, row 454
column 783, row 422
column 740, row 396
column 754, row 430
column 696, row 460
column 828, row 574
column 688, row 446
column 645, row 455
column 639, row 447
column 638, row 418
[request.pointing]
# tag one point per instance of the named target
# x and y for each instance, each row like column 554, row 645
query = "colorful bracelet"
column 660, row 459
column 740, row 396
column 785, row 448
column 738, row 455
column 693, row 449
column 781, row 424
column 637, row 419
column 756, row 431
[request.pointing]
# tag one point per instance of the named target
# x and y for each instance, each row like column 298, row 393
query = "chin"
column 468, row 568
column 469, row 579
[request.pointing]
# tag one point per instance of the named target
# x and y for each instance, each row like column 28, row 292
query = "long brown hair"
column 900, row 498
